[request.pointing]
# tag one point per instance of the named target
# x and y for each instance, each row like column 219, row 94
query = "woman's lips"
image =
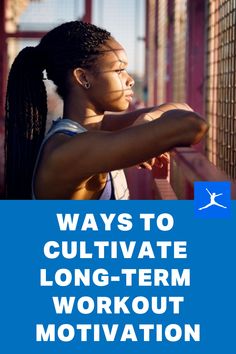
column 129, row 97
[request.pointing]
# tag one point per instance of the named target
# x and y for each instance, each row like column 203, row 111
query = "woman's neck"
column 85, row 116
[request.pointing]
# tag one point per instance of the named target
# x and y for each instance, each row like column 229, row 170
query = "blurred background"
column 178, row 50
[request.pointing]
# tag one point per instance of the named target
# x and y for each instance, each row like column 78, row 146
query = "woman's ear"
column 81, row 77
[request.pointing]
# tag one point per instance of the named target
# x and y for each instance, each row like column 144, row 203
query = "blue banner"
column 117, row 276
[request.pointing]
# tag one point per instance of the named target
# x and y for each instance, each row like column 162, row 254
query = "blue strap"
column 67, row 132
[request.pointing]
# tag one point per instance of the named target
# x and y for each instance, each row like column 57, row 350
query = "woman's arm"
column 116, row 121
column 76, row 159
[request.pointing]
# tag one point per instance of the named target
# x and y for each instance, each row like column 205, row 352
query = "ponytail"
column 26, row 112
column 71, row 45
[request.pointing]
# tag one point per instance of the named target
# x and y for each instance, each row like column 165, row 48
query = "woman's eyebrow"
column 118, row 61
column 122, row 62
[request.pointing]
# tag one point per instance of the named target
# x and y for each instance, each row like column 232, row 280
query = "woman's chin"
column 122, row 107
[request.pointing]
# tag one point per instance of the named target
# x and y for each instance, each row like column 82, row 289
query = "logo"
column 212, row 199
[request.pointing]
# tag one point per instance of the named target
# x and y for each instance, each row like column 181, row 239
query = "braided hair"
column 66, row 47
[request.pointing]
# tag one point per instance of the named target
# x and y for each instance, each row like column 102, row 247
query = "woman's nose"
column 130, row 81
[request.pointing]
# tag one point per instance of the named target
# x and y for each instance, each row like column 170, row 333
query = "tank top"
column 116, row 185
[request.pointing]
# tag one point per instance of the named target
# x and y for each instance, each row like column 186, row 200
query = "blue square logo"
column 212, row 199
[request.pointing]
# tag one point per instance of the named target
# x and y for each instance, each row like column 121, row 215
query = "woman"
column 84, row 152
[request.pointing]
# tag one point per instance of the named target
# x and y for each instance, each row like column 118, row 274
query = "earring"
column 87, row 85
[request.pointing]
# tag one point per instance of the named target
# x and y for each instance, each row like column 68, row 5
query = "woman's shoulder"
column 60, row 131
column 65, row 125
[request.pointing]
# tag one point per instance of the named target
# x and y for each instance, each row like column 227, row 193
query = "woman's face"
column 111, row 85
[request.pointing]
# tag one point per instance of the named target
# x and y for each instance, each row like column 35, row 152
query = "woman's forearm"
column 128, row 146
column 112, row 121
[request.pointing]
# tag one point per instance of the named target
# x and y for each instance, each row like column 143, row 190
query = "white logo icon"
column 213, row 202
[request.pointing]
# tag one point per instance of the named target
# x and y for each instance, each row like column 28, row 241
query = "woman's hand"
column 147, row 164
column 162, row 160
column 153, row 114
column 158, row 161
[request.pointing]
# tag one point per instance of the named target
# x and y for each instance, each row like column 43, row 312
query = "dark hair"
column 70, row 45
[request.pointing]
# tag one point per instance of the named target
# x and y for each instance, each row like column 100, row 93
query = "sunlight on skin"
column 159, row 161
